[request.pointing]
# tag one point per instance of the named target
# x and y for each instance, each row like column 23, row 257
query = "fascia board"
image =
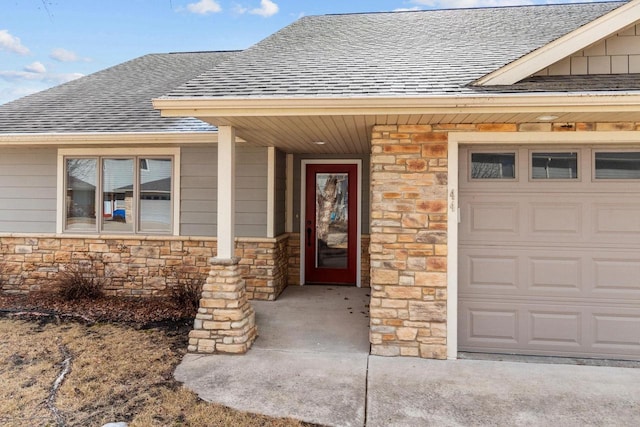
column 291, row 107
column 112, row 139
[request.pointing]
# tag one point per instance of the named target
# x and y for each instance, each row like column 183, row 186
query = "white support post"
column 289, row 195
column 226, row 192
column 271, row 191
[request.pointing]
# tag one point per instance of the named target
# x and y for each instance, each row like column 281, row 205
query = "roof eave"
column 105, row 138
column 558, row 49
column 326, row 106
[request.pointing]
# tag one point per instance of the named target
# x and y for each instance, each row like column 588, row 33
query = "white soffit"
column 559, row 49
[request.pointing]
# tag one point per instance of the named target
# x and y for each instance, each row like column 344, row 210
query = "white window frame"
column 173, row 152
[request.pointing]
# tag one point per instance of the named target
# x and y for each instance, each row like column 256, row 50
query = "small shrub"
column 80, row 281
column 186, row 290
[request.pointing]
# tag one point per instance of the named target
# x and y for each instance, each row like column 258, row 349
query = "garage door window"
column 617, row 165
column 493, row 165
column 554, row 165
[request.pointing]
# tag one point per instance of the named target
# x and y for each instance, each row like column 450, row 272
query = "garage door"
column 549, row 251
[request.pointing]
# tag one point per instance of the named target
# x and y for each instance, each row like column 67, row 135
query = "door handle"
column 309, row 236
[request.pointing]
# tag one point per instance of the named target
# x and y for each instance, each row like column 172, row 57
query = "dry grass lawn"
column 117, row 373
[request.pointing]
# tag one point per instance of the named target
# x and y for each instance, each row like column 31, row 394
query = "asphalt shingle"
column 425, row 53
column 117, row 99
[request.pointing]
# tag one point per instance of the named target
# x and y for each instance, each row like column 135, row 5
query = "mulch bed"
column 137, row 312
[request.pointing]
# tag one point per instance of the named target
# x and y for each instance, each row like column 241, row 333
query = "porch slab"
column 323, row 388
column 315, row 318
column 309, row 361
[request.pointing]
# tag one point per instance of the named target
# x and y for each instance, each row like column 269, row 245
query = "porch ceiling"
column 351, row 133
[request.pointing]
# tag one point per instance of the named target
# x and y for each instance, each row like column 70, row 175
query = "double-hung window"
column 118, row 194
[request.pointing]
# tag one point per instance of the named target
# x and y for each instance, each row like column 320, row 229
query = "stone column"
column 225, row 322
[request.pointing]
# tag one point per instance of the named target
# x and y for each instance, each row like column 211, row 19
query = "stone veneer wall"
column 408, row 241
column 408, row 230
column 138, row 265
column 264, row 266
column 294, row 260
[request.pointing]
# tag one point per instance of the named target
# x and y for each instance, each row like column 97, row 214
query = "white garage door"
column 550, row 251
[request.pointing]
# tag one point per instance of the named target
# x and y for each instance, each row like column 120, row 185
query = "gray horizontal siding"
column 28, row 190
column 199, row 184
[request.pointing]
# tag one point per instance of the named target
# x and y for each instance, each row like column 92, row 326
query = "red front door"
column 330, row 230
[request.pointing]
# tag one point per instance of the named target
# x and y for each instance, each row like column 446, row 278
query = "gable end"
column 617, row 54
column 610, row 24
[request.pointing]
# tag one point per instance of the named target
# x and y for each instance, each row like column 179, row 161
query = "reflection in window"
column 103, row 194
column 332, row 220
column 554, row 165
column 155, row 195
column 493, row 165
column 117, row 195
column 618, row 165
column 80, row 181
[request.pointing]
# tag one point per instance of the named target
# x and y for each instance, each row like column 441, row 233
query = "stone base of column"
column 225, row 322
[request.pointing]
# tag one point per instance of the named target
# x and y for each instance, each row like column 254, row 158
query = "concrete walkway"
column 311, row 362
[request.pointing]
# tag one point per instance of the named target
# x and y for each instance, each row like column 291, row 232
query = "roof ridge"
column 200, row 51
column 452, row 9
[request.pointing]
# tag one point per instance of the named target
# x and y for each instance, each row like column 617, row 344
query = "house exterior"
column 477, row 168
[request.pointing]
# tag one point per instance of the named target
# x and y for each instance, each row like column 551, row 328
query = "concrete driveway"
column 311, row 362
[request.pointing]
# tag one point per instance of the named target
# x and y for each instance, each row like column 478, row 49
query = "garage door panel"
column 617, row 277
column 550, row 218
column 497, row 273
column 537, row 329
column 616, row 331
column 552, row 272
column 530, row 219
column 557, row 274
column 490, row 326
column 499, row 217
column 555, row 328
column 617, row 221
column 549, row 267
column 524, row 272
column 521, row 327
column 556, row 218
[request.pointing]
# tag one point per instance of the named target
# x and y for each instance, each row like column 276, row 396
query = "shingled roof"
column 117, row 99
column 436, row 52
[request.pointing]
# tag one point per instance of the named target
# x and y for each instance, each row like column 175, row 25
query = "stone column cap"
column 224, row 261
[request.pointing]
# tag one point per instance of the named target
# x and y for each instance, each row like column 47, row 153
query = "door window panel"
column 332, row 220
column 493, row 165
column 80, row 194
column 554, row 165
column 617, row 165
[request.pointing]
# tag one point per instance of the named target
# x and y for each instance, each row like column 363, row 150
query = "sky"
column 44, row 43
